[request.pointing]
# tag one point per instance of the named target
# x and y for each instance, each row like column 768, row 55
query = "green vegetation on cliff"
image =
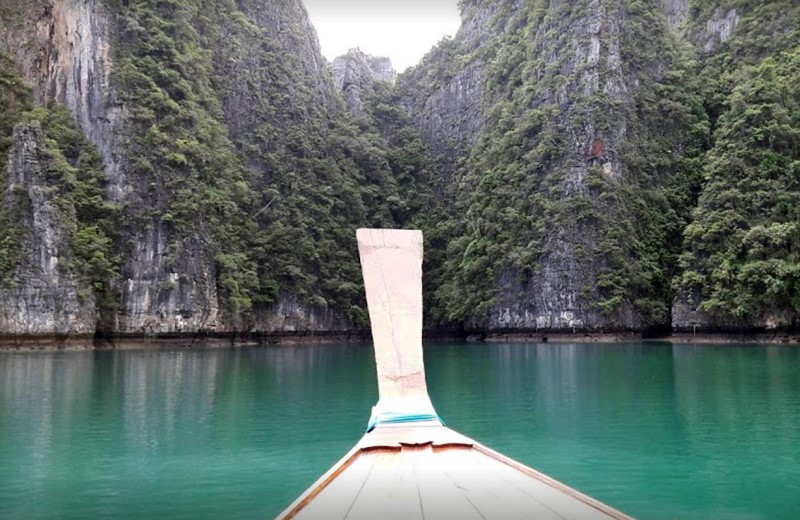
column 735, row 269
column 75, row 171
column 743, row 256
column 604, row 128
column 238, row 137
column 75, row 181
column 589, row 163
column 14, row 101
column 186, row 174
column 597, row 164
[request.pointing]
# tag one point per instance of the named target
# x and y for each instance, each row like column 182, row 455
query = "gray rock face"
column 287, row 25
column 168, row 283
column 382, row 69
column 565, row 290
column 64, row 52
column 551, row 300
column 677, row 11
column 686, row 317
column 358, row 68
column 719, row 29
column 452, row 116
column 43, row 299
column 166, row 290
column 355, row 71
column 288, row 314
column 585, row 51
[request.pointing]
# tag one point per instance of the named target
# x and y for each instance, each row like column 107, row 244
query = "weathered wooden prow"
column 409, row 465
column 391, row 261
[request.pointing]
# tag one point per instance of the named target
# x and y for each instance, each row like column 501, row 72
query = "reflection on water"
column 154, row 433
column 659, row 431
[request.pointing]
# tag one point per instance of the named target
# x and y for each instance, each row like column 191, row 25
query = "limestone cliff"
column 189, row 150
column 576, row 155
column 43, row 296
column 314, row 177
column 565, row 160
column 551, row 105
column 444, row 95
column 677, row 12
column 63, row 50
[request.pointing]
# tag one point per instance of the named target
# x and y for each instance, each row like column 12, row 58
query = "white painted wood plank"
column 478, row 482
column 441, row 496
column 391, row 262
column 391, row 492
column 552, row 493
column 502, row 491
column 567, row 506
column 337, row 498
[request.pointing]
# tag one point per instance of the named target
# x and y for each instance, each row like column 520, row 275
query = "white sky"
column 403, row 30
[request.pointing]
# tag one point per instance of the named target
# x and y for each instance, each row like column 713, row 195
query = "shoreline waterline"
column 46, row 343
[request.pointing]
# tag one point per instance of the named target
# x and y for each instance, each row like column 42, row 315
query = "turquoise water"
column 657, row 431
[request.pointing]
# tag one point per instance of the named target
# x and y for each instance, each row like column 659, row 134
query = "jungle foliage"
column 14, row 101
column 743, row 245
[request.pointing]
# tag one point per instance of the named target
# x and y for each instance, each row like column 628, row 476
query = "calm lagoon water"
column 658, row 431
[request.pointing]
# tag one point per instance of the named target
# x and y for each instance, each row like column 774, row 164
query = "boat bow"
column 409, row 465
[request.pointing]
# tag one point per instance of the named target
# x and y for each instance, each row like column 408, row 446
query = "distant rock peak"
column 356, row 66
column 355, row 71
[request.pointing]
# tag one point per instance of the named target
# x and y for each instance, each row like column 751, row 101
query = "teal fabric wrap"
column 399, row 418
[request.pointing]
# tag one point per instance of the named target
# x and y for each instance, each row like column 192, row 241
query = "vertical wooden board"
column 391, row 262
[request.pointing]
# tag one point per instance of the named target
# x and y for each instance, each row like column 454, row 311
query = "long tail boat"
column 409, row 465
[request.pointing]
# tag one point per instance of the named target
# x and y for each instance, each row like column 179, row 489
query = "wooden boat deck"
column 432, row 472
column 410, row 466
